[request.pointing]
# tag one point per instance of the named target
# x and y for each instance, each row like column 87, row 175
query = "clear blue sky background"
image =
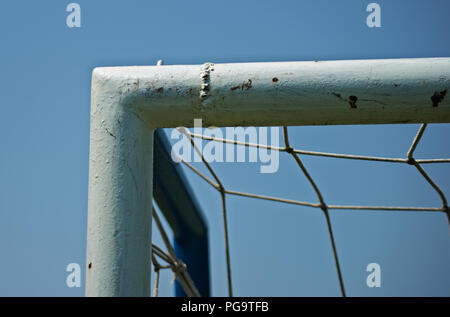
column 275, row 249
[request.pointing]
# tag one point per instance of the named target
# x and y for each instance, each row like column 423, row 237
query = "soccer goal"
column 129, row 103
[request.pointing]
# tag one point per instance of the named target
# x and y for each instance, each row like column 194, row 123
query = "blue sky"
column 45, row 89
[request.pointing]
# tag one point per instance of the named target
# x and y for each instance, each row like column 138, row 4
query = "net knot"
column 178, row 267
column 289, row 149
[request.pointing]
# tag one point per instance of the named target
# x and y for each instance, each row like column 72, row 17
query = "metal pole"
column 120, row 197
column 287, row 93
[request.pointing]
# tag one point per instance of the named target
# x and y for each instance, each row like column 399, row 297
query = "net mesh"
column 179, row 268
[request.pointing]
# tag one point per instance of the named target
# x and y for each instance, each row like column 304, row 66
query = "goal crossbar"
column 129, row 103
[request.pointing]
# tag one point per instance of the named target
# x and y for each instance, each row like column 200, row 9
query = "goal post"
column 129, row 103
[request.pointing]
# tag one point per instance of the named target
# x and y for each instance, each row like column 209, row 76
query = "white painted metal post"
column 128, row 102
column 120, row 195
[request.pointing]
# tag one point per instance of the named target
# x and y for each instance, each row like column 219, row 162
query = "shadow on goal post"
column 128, row 104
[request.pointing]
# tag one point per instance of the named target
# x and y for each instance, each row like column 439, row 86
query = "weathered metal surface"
column 292, row 93
column 120, row 198
column 128, row 103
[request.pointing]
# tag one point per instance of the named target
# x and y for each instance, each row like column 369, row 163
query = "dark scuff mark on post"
column 338, row 95
column 438, row 97
column 110, row 133
column 245, row 85
column 352, row 101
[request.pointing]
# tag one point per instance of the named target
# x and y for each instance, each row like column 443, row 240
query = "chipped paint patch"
column 438, row 97
column 352, row 101
column 205, row 87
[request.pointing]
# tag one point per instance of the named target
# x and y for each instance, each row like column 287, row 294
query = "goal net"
column 210, row 177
